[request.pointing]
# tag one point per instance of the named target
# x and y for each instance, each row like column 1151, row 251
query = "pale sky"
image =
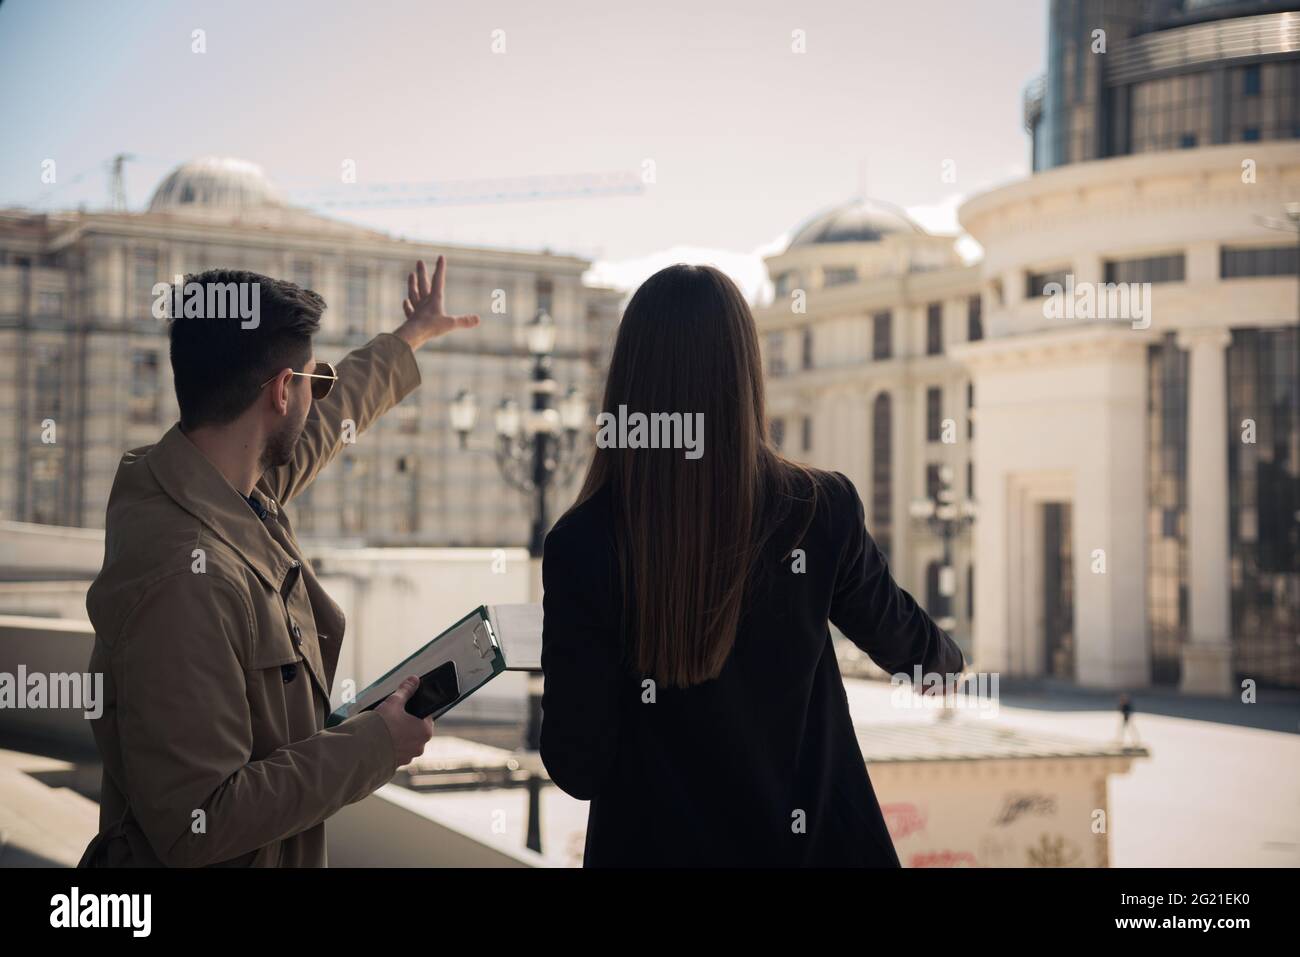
column 747, row 137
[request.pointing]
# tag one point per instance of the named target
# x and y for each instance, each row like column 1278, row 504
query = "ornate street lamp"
column 464, row 413
column 536, row 447
column 946, row 518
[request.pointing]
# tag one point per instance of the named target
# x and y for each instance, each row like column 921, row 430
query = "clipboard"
column 458, row 661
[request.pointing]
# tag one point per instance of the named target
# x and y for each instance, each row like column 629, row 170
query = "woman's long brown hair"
column 689, row 532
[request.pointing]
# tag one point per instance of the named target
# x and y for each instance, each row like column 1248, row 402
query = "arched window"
column 882, row 470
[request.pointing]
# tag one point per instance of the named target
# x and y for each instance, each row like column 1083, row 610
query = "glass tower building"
column 1135, row 76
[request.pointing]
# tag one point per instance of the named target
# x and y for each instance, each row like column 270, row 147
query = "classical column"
column 1207, row 655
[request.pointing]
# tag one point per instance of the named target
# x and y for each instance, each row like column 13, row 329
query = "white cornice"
column 1099, row 186
column 1054, row 346
column 862, row 299
column 294, row 236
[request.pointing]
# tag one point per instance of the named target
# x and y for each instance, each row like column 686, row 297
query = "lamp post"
column 535, row 447
column 946, row 518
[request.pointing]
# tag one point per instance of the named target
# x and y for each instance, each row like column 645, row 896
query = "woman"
column 692, row 693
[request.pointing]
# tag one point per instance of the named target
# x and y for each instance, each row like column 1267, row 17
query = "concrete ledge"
column 46, row 646
column 393, row 828
column 41, row 826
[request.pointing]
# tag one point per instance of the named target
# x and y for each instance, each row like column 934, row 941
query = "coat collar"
column 194, row 483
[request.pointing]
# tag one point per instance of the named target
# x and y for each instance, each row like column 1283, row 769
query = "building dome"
column 215, row 183
column 858, row 221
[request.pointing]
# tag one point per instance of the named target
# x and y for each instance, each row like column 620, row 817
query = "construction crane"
column 468, row 192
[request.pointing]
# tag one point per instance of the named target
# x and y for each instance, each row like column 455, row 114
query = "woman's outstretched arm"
column 873, row 611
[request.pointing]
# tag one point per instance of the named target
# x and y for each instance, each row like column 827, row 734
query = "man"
column 216, row 641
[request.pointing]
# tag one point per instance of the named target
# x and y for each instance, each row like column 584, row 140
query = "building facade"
column 1128, row 403
column 1153, row 461
column 85, row 375
column 860, row 378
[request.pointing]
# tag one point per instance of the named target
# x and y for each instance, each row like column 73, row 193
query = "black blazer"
column 759, row 766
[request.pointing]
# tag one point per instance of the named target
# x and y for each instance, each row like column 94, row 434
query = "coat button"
column 297, row 634
column 288, row 672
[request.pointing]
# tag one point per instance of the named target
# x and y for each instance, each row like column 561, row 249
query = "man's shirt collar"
column 188, row 478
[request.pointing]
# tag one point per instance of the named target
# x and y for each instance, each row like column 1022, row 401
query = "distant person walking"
column 1127, row 727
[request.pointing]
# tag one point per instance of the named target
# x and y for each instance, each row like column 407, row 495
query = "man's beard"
column 280, row 446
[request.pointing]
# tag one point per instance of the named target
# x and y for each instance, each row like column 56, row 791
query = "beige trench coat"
column 218, row 648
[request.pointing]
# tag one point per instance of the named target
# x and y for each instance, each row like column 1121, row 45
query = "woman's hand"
column 425, row 319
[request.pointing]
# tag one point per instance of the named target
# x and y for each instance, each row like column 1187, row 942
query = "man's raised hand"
column 425, row 318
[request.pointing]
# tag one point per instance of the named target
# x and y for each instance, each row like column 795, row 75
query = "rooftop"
column 215, row 182
column 857, row 221
column 975, row 739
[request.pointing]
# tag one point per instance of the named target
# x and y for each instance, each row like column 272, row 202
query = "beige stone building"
column 84, row 371
column 1129, row 346
column 861, row 380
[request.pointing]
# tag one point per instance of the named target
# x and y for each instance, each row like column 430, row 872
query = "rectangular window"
column 777, row 429
column 933, row 414
column 1171, row 268
column 882, row 482
column 406, row 481
column 352, row 489
column 49, row 302
column 303, row 274
column 545, row 295
column 1167, row 557
column 46, row 468
column 1263, row 498
column 970, row 410
column 807, row 433
column 776, row 353
column 933, row 482
column 1258, row 261
column 1037, row 282
column 48, row 377
column 839, row 275
column 975, row 319
column 1250, row 80
column 46, row 485
column 807, row 348
column 146, row 274
column 882, row 339
column 408, row 416
column 144, row 387
column 934, row 329
column 356, row 294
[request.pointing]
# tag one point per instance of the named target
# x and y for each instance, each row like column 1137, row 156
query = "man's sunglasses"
column 323, row 380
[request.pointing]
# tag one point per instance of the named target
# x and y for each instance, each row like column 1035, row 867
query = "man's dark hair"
column 217, row 364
